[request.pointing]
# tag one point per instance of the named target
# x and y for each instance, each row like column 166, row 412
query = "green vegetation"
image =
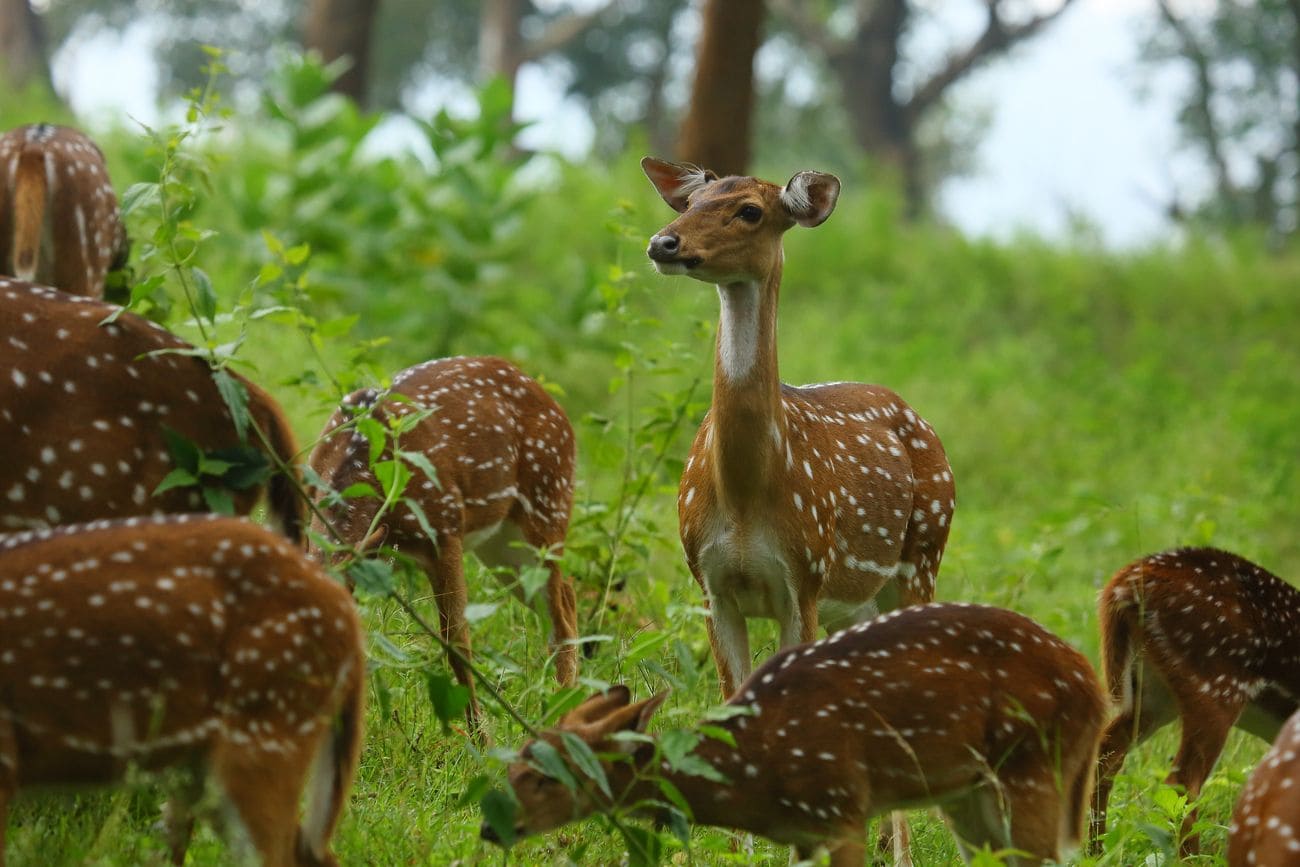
column 1096, row 406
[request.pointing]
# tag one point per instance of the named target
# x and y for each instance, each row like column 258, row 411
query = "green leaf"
column 644, row 848
column 586, row 760
column 423, row 464
column 475, row 790
column 373, row 577
column 357, row 490
column 177, row 478
column 546, row 759
column 480, row 611
column 219, row 500
column 420, row 518
column 375, row 435
column 185, row 453
column 393, row 477
column 449, row 699
column 137, row 196
column 207, row 296
column 718, row 733
column 235, row 395
column 499, row 810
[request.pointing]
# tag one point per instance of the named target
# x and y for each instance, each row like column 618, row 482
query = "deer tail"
column 30, row 191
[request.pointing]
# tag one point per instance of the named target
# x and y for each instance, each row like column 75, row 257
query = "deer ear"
column 676, row 182
column 599, row 705
column 645, row 709
column 810, row 197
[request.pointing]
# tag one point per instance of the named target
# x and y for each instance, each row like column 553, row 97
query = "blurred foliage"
column 1095, row 406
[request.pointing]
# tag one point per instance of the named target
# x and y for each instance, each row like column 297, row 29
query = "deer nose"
column 664, row 247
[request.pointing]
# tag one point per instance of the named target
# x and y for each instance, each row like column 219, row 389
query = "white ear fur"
column 676, row 182
column 809, row 197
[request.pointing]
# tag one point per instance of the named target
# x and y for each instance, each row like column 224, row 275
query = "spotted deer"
column 807, row 505
column 1265, row 827
column 59, row 222
column 977, row 710
column 84, row 409
column 194, row 642
column 1203, row 637
column 502, row 451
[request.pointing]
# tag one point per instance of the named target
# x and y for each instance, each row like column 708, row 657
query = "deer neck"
column 748, row 425
column 741, row 802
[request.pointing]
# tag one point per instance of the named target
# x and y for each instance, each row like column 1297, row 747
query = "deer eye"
column 750, row 213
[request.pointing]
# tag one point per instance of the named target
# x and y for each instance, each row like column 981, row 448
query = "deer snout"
column 664, row 247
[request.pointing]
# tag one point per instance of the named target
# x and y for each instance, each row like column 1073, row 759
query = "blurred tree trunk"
column 22, row 45
column 502, row 48
column 716, row 131
column 342, row 28
column 866, row 63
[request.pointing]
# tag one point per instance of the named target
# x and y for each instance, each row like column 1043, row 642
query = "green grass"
column 1095, row 407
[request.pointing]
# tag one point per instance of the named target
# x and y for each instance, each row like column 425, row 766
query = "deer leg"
column 1152, row 711
column 178, row 814
column 730, row 639
column 8, row 778
column 449, row 592
column 262, row 791
column 1205, row 730
column 895, row 840
column 562, row 605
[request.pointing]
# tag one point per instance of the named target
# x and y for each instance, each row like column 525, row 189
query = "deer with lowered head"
column 59, row 222
column 192, row 642
column 977, row 710
column 1202, row 637
column 85, row 404
column 501, row 451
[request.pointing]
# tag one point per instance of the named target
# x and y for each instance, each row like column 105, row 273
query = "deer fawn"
column 976, row 709
column 1200, row 636
column 84, row 407
column 1265, row 829
column 59, row 223
column 503, row 454
column 191, row 642
column 798, row 504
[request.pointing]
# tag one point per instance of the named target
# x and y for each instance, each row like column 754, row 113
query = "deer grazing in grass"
column 502, row 451
column 59, row 221
column 85, row 407
column 824, row 503
column 978, row 710
column 1265, row 829
column 194, row 642
column 1203, row 637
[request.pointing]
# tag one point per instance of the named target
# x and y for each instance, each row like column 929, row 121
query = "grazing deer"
column 502, row 451
column 193, row 642
column 84, row 410
column 1265, row 827
column 59, row 222
column 978, row 710
column 822, row 503
column 1203, row 637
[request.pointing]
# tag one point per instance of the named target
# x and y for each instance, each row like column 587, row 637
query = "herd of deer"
column 134, row 633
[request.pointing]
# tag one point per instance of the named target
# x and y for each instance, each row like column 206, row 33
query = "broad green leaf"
column 499, row 810
column 548, row 761
column 177, row 478
column 449, row 699
column 586, row 760
column 235, row 395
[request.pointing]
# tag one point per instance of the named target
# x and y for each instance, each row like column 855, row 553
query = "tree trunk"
column 883, row 128
column 22, row 45
column 342, row 28
column 717, row 128
column 500, row 43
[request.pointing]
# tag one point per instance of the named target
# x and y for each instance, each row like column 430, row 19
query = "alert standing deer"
column 59, row 221
column 1203, row 637
column 816, row 504
column 978, row 710
column 1265, row 829
column 503, row 454
column 193, row 642
column 83, row 409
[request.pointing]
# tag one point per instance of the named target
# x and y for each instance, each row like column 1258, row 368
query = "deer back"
column 1229, row 625
column 148, row 640
column 84, row 406
column 500, row 446
column 59, row 222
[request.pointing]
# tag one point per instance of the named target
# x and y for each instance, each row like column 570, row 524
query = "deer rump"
column 85, row 405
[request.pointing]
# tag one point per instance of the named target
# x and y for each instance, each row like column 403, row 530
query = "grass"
column 1095, row 407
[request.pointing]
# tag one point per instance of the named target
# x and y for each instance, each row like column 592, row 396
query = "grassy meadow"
column 1095, row 406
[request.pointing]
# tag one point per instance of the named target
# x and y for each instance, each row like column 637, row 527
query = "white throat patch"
column 738, row 329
